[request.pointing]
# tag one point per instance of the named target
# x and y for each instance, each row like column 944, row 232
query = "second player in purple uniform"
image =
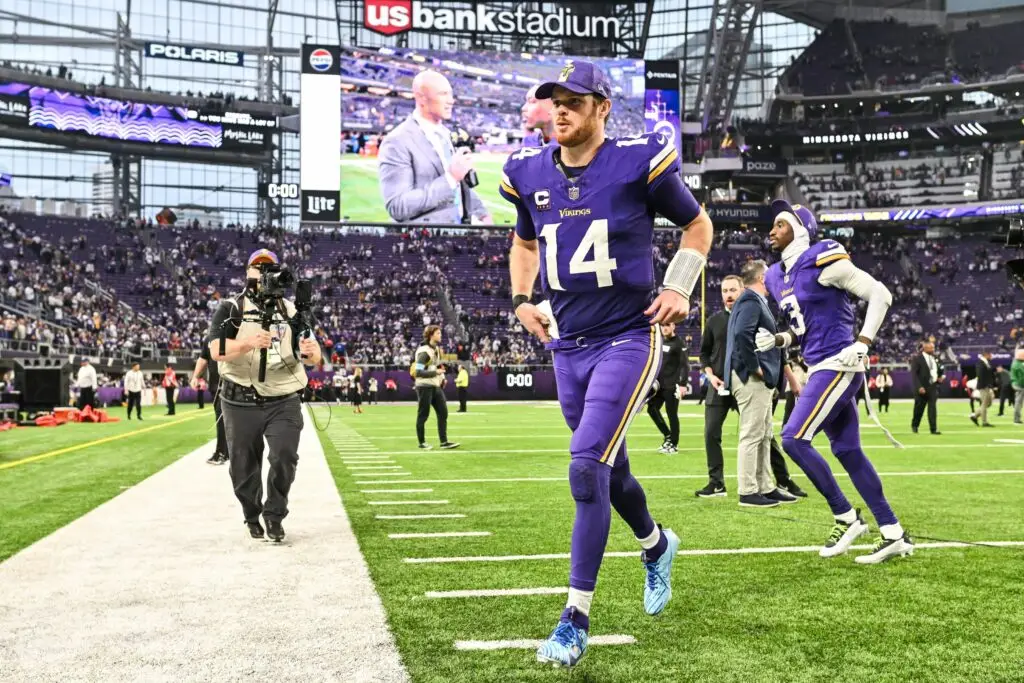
column 813, row 285
column 586, row 209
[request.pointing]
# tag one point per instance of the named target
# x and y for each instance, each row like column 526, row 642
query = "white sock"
column 891, row 532
column 848, row 517
column 652, row 540
column 580, row 600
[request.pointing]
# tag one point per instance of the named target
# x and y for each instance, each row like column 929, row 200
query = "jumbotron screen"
column 490, row 90
column 25, row 105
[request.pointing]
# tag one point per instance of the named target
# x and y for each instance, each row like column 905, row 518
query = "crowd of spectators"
column 376, row 292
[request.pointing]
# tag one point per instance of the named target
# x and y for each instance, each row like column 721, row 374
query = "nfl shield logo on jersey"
column 574, row 193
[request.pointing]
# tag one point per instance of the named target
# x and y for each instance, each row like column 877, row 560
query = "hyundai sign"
column 189, row 53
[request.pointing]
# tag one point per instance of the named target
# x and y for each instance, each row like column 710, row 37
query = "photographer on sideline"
column 253, row 409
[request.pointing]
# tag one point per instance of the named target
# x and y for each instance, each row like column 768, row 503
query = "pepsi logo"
column 320, row 59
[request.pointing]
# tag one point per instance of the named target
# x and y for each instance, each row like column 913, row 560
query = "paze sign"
column 389, row 17
column 765, row 166
column 188, row 53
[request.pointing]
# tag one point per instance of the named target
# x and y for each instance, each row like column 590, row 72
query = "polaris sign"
column 188, row 53
column 389, row 17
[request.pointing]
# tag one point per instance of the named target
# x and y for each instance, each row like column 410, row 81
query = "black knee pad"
column 583, row 474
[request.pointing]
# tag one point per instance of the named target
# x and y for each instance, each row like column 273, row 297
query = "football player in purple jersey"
column 586, row 205
column 538, row 128
column 814, row 286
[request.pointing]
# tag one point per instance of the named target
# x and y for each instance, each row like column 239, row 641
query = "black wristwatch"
column 518, row 300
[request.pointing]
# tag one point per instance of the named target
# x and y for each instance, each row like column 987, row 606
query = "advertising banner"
column 662, row 102
column 190, row 53
column 320, row 133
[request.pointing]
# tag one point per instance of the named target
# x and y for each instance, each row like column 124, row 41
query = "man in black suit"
column 718, row 403
column 1006, row 394
column 753, row 379
column 719, row 400
column 926, row 374
column 986, row 386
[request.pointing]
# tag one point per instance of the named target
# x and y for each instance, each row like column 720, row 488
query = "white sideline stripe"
column 375, row 467
column 420, row 517
column 943, row 473
column 441, row 534
column 382, row 474
column 398, row 491
column 496, row 592
column 407, row 502
column 653, row 449
column 618, row 639
column 696, row 552
column 360, row 458
column 1009, row 440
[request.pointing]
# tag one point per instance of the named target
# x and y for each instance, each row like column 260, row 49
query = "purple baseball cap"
column 262, row 256
column 804, row 215
column 584, row 78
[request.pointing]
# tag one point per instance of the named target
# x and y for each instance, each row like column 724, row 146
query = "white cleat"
column 843, row 536
column 886, row 548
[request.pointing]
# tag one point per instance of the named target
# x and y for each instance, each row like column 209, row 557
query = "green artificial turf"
column 361, row 199
column 943, row 615
column 41, row 496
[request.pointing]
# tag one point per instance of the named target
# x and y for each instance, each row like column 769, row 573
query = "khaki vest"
column 435, row 360
column 285, row 372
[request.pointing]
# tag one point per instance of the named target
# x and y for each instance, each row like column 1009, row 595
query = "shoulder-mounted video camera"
column 267, row 293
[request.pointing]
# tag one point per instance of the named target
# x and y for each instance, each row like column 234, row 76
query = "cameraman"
column 253, row 409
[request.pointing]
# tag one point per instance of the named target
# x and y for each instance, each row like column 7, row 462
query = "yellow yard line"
column 97, row 442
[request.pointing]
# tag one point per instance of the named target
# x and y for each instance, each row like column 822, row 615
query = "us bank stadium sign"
column 389, row 17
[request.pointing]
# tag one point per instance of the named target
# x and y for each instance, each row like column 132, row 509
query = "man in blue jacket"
column 752, row 378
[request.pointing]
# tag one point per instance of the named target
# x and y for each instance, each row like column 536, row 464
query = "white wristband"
column 683, row 271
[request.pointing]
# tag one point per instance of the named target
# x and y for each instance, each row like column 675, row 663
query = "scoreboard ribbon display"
column 159, row 124
column 515, row 381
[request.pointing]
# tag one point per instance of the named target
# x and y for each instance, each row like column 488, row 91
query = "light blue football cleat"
column 565, row 646
column 658, row 588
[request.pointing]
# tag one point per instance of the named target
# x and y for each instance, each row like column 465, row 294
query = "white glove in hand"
column 764, row 340
column 854, row 354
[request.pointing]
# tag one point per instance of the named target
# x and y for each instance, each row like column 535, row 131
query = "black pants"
column 371, row 397
column 222, row 438
column 714, row 418
column 135, row 400
column 463, row 395
column 883, row 400
column 788, row 409
column 671, row 403
column 246, row 425
column 428, row 397
column 169, row 392
column 1005, row 396
column 929, row 399
column 201, row 398
column 776, row 456
column 86, row 397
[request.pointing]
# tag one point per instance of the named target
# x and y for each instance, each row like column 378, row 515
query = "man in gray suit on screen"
column 422, row 176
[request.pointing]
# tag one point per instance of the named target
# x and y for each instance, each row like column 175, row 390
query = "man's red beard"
column 578, row 136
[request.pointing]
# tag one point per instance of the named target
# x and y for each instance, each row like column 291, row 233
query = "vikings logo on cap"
column 566, row 72
column 262, row 256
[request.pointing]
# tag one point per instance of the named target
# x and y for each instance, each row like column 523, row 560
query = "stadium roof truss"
column 726, row 47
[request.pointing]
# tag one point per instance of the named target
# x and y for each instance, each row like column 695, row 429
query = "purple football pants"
column 829, row 402
column 601, row 388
